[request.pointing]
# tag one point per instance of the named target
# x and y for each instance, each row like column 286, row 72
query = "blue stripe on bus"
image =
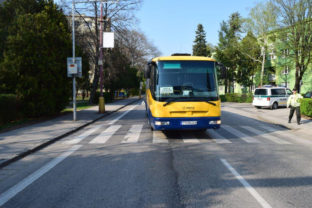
column 175, row 123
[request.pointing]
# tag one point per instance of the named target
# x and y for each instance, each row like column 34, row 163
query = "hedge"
column 306, row 107
column 9, row 108
column 237, row 97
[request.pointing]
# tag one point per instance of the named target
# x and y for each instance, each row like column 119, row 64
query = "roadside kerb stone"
column 19, row 143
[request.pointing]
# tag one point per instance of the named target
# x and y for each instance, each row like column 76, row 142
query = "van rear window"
column 261, row 92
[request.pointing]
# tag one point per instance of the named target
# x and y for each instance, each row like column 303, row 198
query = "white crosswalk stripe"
column 240, row 134
column 285, row 134
column 159, row 137
column 82, row 136
column 105, row 135
column 133, row 134
column 187, row 138
column 266, row 135
column 218, row 138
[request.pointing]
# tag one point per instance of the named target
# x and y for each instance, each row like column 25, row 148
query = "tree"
column 37, row 47
column 200, row 47
column 210, row 49
column 117, row 17
column 296, row 24
column 262, row 19
column 250, row 60
column 227, row 51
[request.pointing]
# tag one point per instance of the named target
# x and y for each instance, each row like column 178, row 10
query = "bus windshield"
column 188, row 80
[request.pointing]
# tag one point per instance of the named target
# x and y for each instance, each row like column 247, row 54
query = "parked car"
column 308, row 95
column 271, row 97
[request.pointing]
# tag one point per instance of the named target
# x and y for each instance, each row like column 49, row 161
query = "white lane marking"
column 13, row 191
column 105, row 135
column 142, row 103
column 265, row 135
column 133, row 134
column 240, row 134
column 248, row 187
column 122, row 115
column 187, row 138
column 159, row 137
column 83, row 135
column 218, row 138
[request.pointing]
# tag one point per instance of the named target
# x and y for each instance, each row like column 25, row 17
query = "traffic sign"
column 74, row 68
column 108, row 39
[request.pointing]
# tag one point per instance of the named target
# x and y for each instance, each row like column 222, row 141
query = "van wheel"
column 274, row 106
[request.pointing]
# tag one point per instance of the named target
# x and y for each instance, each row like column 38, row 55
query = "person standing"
column 294, row 103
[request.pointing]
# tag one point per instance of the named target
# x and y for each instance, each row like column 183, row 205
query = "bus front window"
column 185, row 79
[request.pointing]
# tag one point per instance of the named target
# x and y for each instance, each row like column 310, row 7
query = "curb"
column 55, row 139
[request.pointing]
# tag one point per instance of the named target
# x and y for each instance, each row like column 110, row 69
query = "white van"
column 271, row 97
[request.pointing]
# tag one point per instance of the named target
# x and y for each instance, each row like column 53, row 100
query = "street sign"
column 74, row 68
column 108, row 39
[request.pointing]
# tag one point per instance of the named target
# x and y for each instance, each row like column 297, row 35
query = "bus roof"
column 182, row 58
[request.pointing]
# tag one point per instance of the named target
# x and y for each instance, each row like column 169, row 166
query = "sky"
column 171, row 24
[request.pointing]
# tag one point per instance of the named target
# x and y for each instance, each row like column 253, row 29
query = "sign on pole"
column 74, row 68
column 108, row 39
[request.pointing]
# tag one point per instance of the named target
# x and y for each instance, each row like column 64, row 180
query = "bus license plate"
column 188, row 122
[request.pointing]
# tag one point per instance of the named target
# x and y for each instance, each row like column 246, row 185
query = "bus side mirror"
column 221, row 70
column 147, row 72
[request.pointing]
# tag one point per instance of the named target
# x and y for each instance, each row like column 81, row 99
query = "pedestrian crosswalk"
column 131, row 134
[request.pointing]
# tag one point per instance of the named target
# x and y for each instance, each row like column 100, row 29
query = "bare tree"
column 118, row 15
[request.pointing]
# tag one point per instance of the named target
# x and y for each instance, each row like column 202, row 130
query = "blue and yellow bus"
column 182, row 93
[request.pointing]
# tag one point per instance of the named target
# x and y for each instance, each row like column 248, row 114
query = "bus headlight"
column 215, row 122
column 162, row 123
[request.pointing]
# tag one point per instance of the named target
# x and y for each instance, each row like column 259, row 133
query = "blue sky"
column 171, row 24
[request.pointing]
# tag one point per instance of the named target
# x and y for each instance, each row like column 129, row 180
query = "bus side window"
column 152, row 79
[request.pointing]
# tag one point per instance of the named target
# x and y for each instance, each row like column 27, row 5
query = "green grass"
column 79, row 106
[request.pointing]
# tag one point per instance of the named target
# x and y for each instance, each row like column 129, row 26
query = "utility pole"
column 101, row 99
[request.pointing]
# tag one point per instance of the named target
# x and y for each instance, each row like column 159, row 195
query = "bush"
column 237, row 97
column 9, row 108
column 306, row 107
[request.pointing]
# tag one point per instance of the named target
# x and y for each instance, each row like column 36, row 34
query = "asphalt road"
column 120, row 162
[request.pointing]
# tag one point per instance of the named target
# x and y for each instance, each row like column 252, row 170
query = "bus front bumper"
column 185, row 123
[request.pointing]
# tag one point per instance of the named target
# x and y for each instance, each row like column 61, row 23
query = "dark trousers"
column 291, row 113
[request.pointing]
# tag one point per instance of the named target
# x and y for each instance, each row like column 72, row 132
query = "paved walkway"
column 278, row 116
column 20, row 141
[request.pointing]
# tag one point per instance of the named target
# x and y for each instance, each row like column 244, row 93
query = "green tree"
column 227, row 51
column 250, row 60
column 296, row 24
column 262, row 19
column 37, row 47
column 200, row 46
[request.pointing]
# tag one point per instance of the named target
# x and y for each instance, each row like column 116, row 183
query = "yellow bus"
column 182, row 93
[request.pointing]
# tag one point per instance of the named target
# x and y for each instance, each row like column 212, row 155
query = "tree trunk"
column 95, row 82
column 262, row 69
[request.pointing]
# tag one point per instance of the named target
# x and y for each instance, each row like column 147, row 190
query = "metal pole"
column 74, row 76
column 101, row 98
column 101, row 51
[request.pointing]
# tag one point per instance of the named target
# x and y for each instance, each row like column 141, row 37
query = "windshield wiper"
column 203, row 100
column 170, row 100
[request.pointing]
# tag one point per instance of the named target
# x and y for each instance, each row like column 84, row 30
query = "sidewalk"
column 16, row 143
column 278, row 116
